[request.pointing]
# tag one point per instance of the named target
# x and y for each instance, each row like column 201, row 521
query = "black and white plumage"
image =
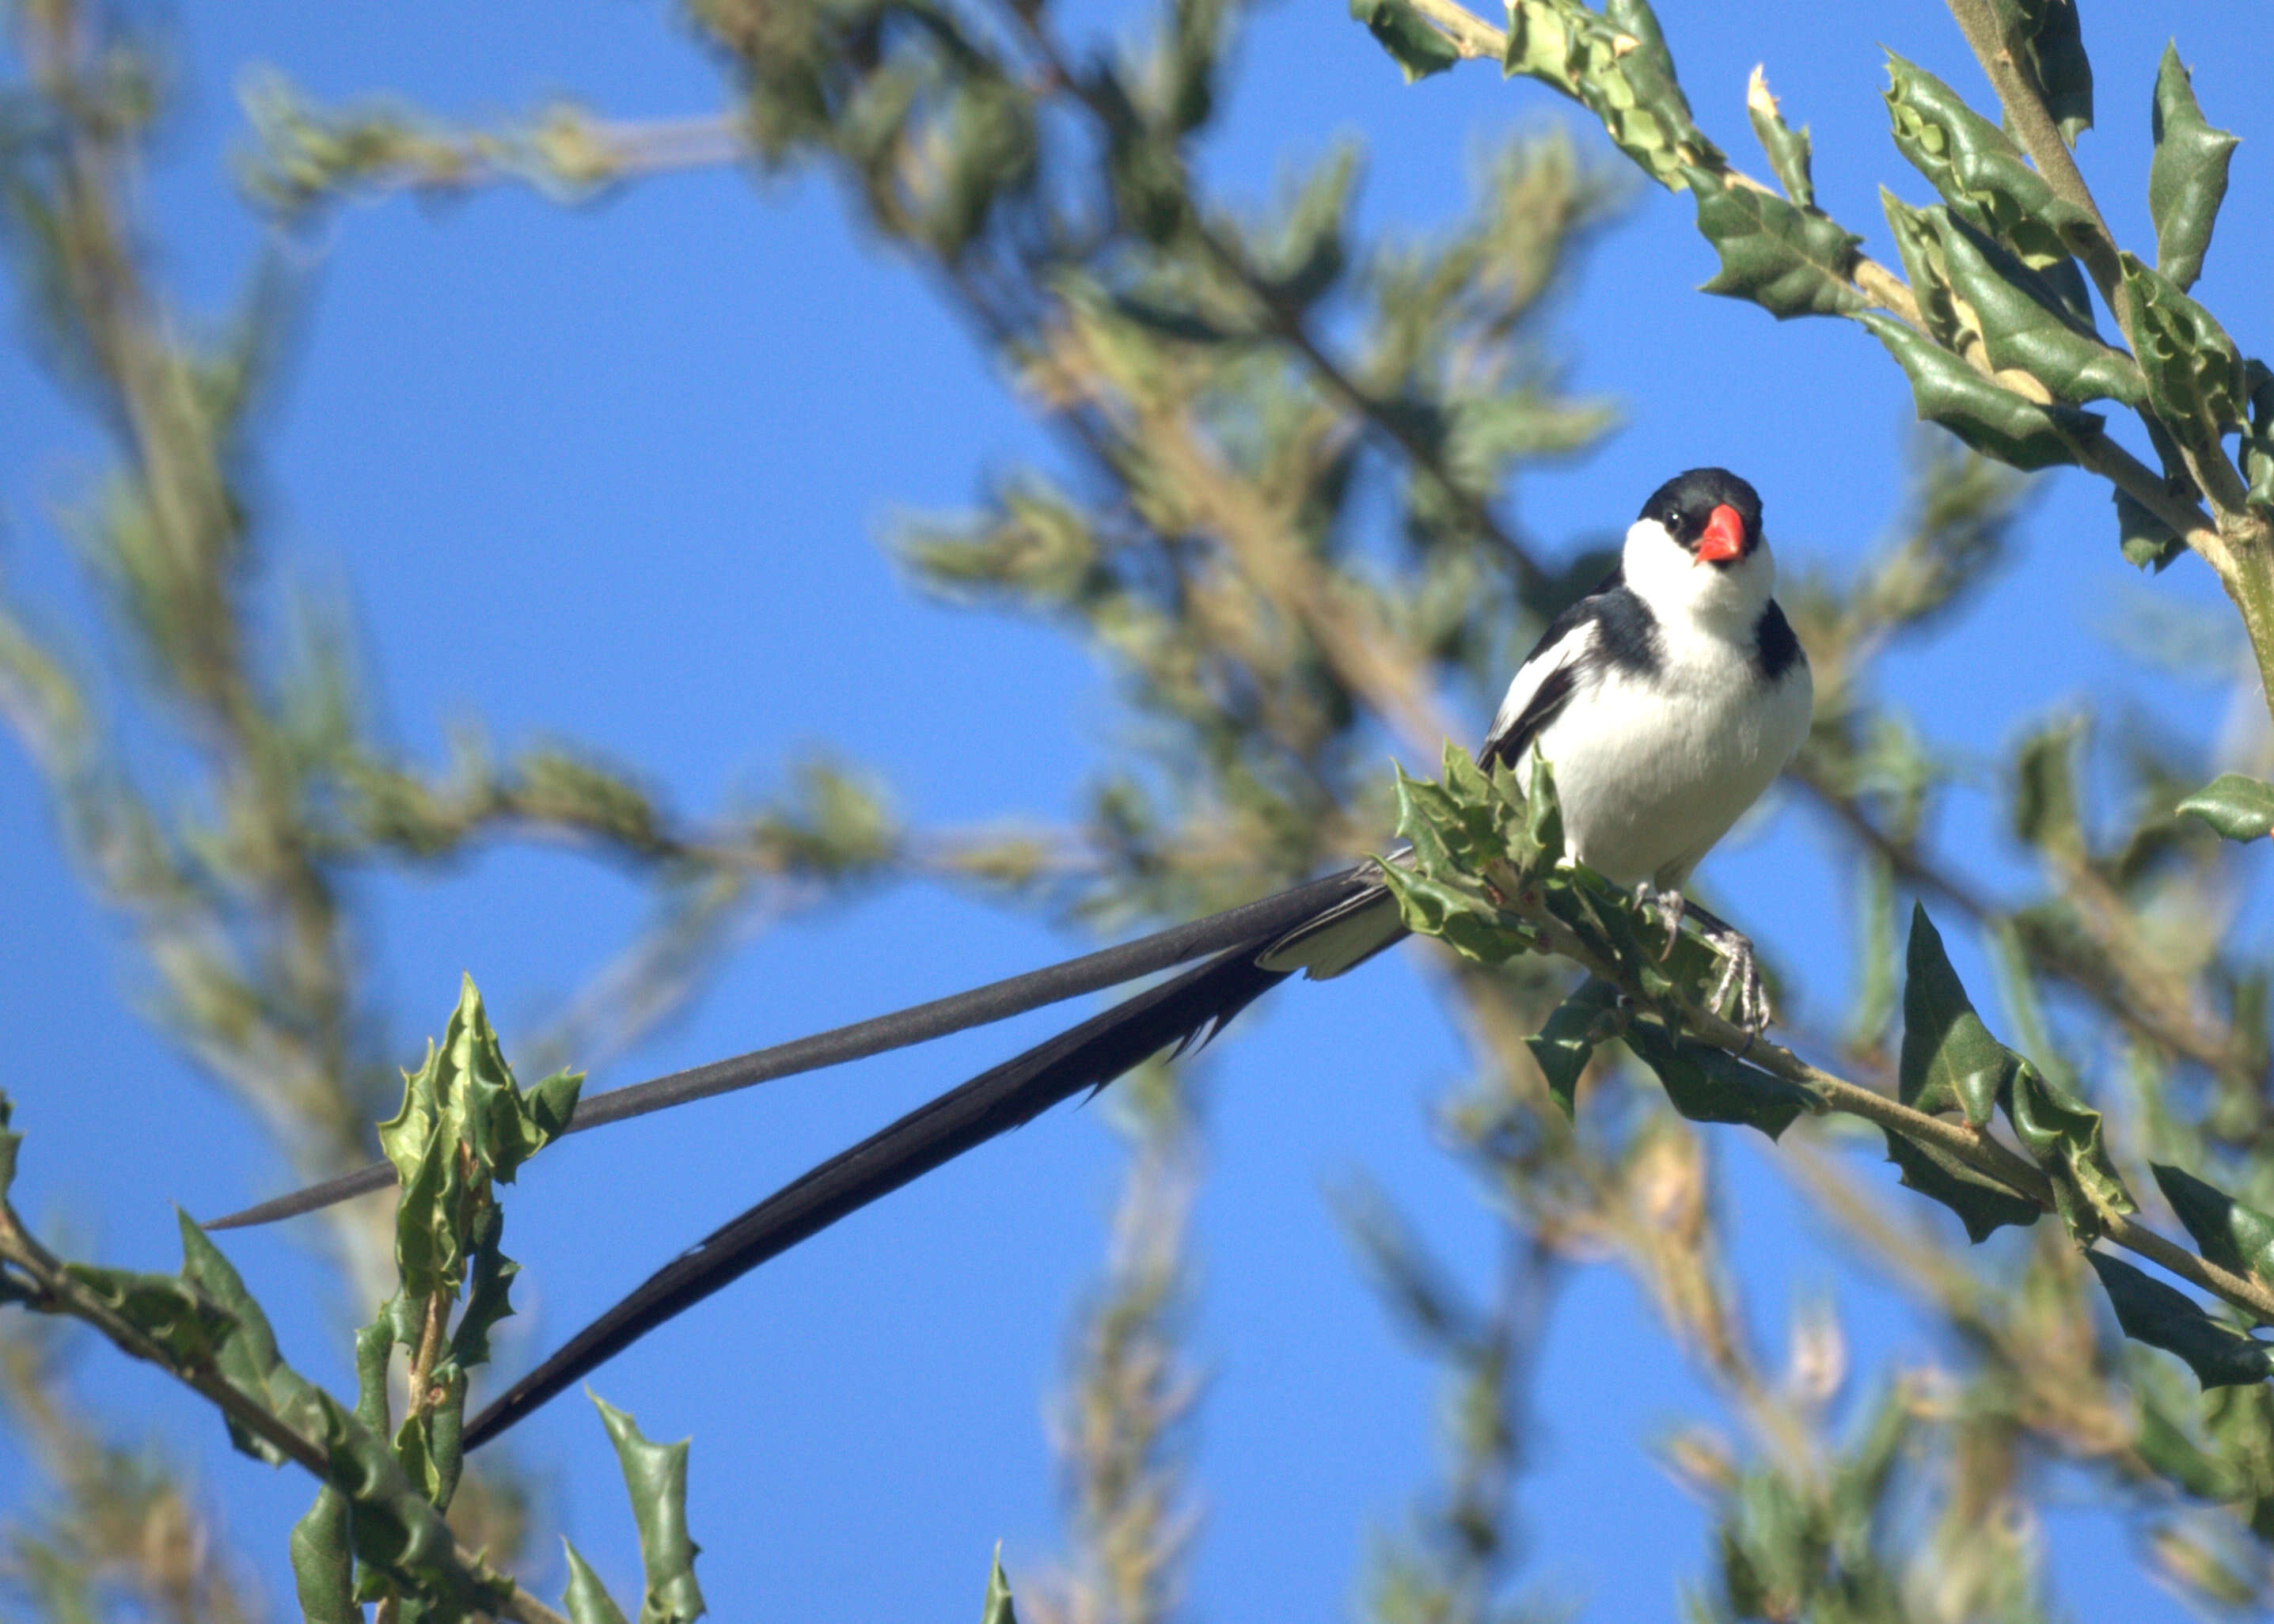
column 1666, row 700
column 1669, row 698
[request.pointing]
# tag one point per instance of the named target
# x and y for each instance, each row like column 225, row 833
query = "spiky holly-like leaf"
column 2197, row 381
column 2150, row 1312
column 1567, row 1042
column 998, row 1609
column 2048, row 39
column 586, row 1600
column 1979, row 172
column 1708, row 1085
column 1789, row 261
column 2024, row 324
column 1995, row 421
column 2187, row 179
column 1787, row 148
column 1418, row 49
column 1949, row 1059
column 655, row 1477
column 1982, row 1204
column 2230, row 1234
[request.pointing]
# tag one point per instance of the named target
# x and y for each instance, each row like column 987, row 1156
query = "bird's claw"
column 1739, row 996
column 1667, row 906
column 1740, row 975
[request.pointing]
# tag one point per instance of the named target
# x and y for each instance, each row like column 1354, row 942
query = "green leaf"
column 998, row 1609
column 394, row 1529
column 323, row 1562
column 1980, row 173
column 488, row 1278
column 1465, row 920
column 2150, row 1312
column 2065, row 1137
column 2187, row 180
column 1617, row 66
column 586, row 1600
column 2044, row 813
column 1707, row 1085
column 2147, row 541
column 1420, row 50
column 1787, row 148
column 11, row 1142
column 2024, row 324
column 464, row 1124
column 2238, row 807
column 2195, row 377
column 1542, row 844
column 1789, row 261
column 1567, row 1042
column 247, row 1353
column 2231, row 1234
column 1646, row 67
column 2256, row 455
column 2174, row 1455
column 1919, row 234
column 655, row 1477
column 1949, row 1059
column 1982, row 1204
column 1994, row 421
column 2047, row 38
column 427, row 1442
column 165, row 1308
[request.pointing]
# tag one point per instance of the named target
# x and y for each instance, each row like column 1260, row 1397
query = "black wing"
column 1625, row 634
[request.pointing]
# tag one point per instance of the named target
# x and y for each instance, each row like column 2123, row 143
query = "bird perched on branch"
column 1665, row 701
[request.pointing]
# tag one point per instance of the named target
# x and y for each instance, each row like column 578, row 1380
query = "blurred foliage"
column 1283, row 515
column 1122, row 1427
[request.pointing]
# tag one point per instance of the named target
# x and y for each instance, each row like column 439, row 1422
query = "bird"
column 1664, row 701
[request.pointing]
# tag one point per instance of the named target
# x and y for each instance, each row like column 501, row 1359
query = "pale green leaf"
column 655, row 1478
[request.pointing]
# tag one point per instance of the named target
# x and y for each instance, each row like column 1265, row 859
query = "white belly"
column 1650, row 777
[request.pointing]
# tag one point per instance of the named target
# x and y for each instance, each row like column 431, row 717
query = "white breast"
column 1653, row 769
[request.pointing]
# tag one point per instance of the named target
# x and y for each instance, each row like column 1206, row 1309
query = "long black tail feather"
column 1186, row 1010
column 1263, row 918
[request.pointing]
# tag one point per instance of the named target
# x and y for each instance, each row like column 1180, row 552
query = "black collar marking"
column 1626, row 639
column 1775, row 649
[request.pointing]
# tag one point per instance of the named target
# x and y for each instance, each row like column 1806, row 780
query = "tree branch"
column 58, row 1292
column 1974, row 1147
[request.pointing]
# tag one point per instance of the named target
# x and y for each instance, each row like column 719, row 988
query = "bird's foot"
column 1738, row 997
column 1668, row 906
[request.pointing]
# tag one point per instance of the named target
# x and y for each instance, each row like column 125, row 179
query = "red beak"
column 1724, row 537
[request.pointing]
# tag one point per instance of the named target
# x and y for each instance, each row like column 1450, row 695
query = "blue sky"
column 616, row 475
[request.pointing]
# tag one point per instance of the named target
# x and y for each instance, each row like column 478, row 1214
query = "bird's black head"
column 1713, row 513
